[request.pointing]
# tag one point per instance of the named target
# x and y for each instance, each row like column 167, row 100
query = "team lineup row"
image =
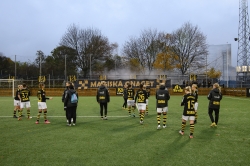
column 132, row 99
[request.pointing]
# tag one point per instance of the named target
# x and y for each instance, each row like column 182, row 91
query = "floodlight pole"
column 206, row 70
column 115, row 67
column 90, row 73
column 40, row 63
column 227, row 67
column 65, row 68
column 15, row 67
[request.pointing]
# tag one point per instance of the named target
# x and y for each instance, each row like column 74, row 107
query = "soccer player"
column 102, row 97
column 195, row 92
column 63, row 97
column 71, row 105
column 131, row 101
column 188, row 101
column 214, row 98
column 24, row 96
column 148, row 95
column 125, row 97
column 162, row 97
column 141, row 97
column 42, row 106
column 17, row 101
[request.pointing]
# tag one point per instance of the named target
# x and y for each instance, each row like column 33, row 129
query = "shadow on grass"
column 170, row 148
column 207, row 133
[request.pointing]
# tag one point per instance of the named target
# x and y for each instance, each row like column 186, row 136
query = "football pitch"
column 122, row 140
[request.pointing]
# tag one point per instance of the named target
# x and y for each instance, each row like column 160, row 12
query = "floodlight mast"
column 243, row 55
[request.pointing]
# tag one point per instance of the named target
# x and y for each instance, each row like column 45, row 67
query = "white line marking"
column 236, row 98
column 77, row 116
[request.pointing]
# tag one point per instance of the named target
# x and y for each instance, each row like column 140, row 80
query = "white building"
column 219, row 57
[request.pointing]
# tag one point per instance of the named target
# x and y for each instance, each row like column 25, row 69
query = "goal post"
column 8, row 84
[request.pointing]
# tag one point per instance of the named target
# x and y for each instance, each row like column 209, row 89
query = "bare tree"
column 90, row 45
column 189, row 44
column 132, row 52
column 144, row 49
column 166, row 60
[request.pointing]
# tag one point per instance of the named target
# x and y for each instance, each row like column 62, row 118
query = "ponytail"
column 188, row 88
column 194, row 88
column 217, row 86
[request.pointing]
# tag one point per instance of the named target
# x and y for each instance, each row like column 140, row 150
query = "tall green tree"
column 27, row 70
column 61, row 56
column 6, row 66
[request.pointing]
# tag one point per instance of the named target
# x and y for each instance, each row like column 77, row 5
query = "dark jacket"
column 67, row 100
column 215, row 97
column 196, row 95
column 125, row 93
column 102, row 95
column 162, row 96
column 64, row 93
column 148, row 92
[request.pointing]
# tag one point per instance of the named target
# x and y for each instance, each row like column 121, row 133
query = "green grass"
column 121, row 140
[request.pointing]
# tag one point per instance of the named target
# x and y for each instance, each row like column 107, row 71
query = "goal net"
column 7, row 87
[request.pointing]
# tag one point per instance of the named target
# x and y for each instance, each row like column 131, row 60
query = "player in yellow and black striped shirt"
column 141, row 97
column 131, row 101
column 24, row 96
column 188, row 101
column 17, row 101
column 42, row 106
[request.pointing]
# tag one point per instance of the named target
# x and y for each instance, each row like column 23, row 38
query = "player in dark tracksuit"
column 214, row 98
column 125, row 97
column 69, row 106
column 63, row 97
column 102, row 97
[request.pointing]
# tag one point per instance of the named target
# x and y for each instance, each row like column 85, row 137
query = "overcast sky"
column 31, row 25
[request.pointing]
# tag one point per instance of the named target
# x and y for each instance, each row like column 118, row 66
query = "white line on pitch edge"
column 237, row 98
column 77, row 116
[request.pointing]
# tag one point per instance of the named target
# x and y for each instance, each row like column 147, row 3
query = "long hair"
column 41, row 85
column 188, row 88
column 71, row 86
column 195, row 87
column 217, row 86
